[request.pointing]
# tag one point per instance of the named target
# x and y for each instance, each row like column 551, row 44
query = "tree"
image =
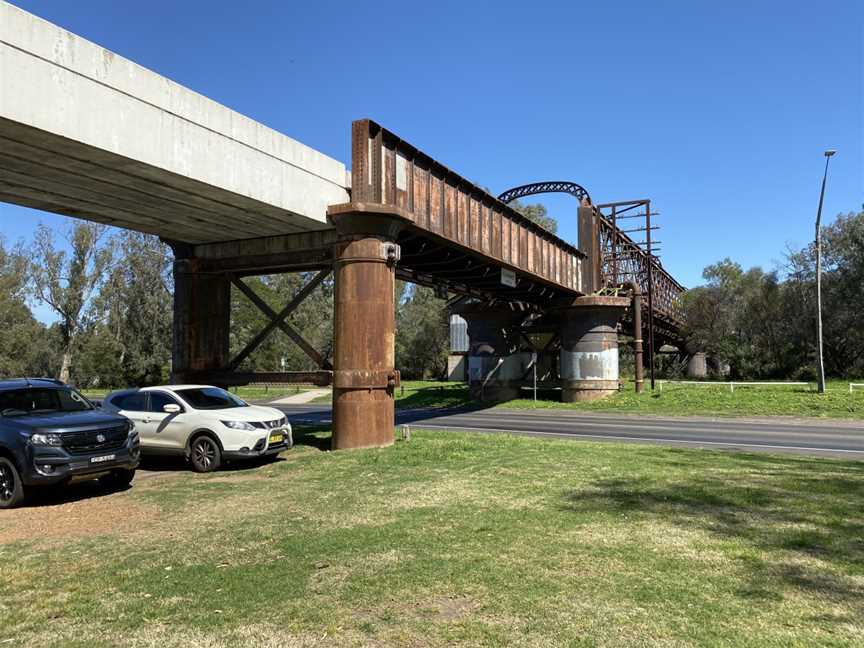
column 537, row 214
column 67, row 281
column 422, row 334
column 129, row 339
column 25, row 349
column 842, row 294
column 313, row 319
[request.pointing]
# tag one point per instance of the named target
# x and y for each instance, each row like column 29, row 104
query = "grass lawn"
column 673, row 400
column 450, row 539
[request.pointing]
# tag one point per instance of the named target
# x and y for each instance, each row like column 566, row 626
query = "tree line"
column 763, row 324
column 110, row 293
column 110, row 297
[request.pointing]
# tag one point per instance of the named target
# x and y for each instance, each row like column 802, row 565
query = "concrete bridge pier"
column 495, row 367
column 697, row 365
column 589, row 347
column 364, row 374
column 202, row 319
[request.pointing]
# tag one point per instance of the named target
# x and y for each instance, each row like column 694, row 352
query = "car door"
column 167, row 430
column 133, row 405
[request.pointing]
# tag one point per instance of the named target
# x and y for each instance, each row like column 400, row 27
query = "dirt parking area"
column 78, row 510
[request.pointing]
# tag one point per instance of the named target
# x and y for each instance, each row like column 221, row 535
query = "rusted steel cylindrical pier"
column 494, row 367
column 639, row 372
column 364, row 376
column 589, row 347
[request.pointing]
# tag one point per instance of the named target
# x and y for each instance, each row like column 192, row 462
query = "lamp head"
column 830, row 152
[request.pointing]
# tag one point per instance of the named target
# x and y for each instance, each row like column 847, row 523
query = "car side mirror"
column 171, row 408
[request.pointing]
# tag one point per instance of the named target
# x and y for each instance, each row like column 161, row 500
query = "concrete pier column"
column 697, row 365
column 589, row 347
column 364, row 376
column 202, row 318
column 495, row 367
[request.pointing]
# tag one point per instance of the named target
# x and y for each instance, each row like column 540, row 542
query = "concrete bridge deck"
column 87, row 133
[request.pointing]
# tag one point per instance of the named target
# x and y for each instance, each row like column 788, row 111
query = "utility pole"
column 820, row 364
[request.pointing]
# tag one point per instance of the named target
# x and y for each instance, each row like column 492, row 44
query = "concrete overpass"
column 87, row 133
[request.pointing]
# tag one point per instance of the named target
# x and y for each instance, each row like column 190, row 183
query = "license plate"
column 278, row 437
column 102, row 459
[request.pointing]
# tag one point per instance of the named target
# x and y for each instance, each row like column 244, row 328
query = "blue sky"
column 717, row 111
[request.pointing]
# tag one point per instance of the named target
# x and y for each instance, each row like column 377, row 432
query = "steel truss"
column 552, row 186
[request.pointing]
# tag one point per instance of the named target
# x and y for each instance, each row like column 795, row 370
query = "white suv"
column 205, row 424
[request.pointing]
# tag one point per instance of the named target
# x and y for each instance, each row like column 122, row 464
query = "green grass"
column 451, row 539
column 673, row 400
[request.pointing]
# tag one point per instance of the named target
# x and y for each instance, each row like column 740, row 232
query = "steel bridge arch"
column 552, row 186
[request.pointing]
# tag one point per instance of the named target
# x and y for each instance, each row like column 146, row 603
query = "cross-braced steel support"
column 277, row 320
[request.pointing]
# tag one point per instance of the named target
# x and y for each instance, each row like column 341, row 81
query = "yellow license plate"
column 276, row 438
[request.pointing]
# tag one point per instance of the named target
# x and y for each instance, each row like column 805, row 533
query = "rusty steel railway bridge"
column 95, row 136
column 528, row 296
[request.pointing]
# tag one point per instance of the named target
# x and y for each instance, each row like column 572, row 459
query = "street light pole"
column 820, row 364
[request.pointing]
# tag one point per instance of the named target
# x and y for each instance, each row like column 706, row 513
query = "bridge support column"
column 589, row 243
column 202, row 316
column 364, row 377
column 494, row 368
column 697, row 365
column 589, row 348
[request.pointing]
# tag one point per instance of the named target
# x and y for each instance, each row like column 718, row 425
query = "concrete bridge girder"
column 88, row 133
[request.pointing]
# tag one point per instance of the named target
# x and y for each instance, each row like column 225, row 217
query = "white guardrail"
column 854, row 386
column 732, row 385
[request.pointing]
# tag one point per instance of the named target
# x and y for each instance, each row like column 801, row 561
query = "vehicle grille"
column 275, row 424
column 87, row 442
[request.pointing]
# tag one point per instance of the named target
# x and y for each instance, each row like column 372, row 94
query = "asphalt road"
column 840, row 439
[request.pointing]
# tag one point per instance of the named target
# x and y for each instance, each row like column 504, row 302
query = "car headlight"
column 239, row 425
column 46, row 440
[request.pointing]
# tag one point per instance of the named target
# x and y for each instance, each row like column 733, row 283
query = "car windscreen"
column 205, row 398
column 37, row 400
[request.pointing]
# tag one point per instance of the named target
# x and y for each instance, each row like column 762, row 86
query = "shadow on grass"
column 314, row 435
column 171, row 463
column 64, row 494
column 782, row 508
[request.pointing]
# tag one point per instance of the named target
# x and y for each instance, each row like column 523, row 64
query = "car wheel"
column 11, row 488
column 118, row 478
column 205, row 454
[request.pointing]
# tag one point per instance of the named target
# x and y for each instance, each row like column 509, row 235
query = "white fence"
column 854, row 386
column 732, row 385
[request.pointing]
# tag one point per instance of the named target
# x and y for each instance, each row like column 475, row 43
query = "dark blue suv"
column 51, row 434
